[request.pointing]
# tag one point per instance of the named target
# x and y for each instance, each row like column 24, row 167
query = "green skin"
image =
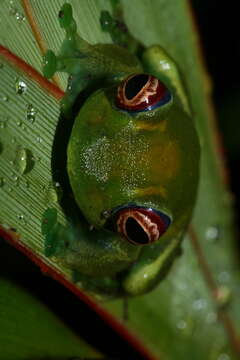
column 115, row 158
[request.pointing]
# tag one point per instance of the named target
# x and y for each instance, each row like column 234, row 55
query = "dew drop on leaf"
column 3, row 124
column 199, row 304
column 213, row 233
column 19, row 17
column 223, row 356
column 181, row 324
column 20, row 86
column 22, row 218
column 12, row 9
column 211, row 317
column 54, row 192
column 23, row 161
column 31, row 113
column 39, row 139
column 224, row 277
column 14, row 177
column 4, row 98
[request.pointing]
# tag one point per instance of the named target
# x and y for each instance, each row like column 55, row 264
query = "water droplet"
column 12, row 9
column 13, row 140
column 20, row 17
column 145, row 276
column 213, row 233
column 14, row 177
column 4, row 98
column 20, row 87
column 223, row 356
column 211, row 317
column 54, row 192
column 224, row 277
column 3, row 124
column 199, row 304
column 39, row 139
column 223, row 296
column 23, row 161
column 181, row 324
column 31, row 113
column 19, row 123
column 22, row 218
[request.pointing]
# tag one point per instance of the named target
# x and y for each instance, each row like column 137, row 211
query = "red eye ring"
column 141, row 92
column 140, row 225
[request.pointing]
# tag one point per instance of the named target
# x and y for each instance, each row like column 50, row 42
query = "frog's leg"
column 155, row 261
column 86, row 64
column 74, row 58
column 158, row 63
column 94, row 256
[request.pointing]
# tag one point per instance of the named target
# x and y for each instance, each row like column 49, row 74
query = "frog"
column 132, row 160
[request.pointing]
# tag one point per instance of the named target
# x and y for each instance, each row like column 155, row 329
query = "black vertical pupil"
column 135, row 232
column 135, row 84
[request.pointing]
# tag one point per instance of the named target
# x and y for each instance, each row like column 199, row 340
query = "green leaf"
column 195, row 311
column 29, row 330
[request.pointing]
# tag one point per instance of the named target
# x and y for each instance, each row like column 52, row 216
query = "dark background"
column 218, row 24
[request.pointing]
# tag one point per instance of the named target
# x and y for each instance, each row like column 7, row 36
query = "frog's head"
column 133, row 159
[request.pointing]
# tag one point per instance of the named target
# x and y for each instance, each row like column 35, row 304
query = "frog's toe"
column 49, row 64
column 65, row 16
column 106, row 21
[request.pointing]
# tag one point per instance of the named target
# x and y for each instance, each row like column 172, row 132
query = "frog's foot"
column 50, row 64
column 53, row 63
column 66, row 20
column 54, row 233
column 118, row 30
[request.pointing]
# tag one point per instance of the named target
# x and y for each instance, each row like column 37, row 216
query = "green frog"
column 132, row 158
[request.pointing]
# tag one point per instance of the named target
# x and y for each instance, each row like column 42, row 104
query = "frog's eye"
column 142, row 92
column 141, row 226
